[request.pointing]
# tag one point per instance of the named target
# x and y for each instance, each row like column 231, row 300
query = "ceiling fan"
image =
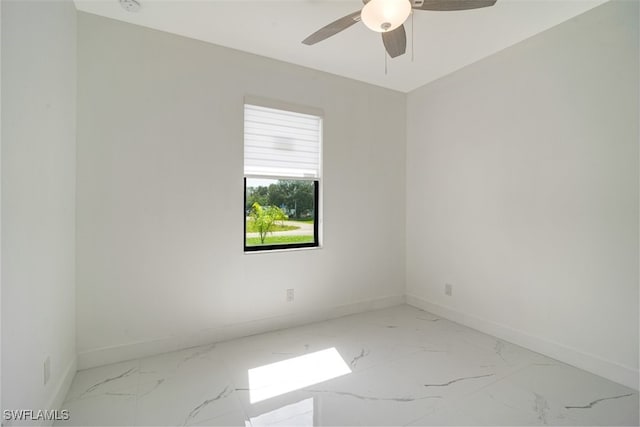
column 388, row 16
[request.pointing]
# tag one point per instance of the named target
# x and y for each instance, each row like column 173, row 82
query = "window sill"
column 270, row 251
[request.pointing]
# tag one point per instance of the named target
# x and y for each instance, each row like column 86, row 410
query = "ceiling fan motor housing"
column 385, row 15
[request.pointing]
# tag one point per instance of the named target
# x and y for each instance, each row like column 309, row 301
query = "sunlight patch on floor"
column 288, row 375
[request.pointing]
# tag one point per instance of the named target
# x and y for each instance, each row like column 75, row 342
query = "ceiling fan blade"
column 334, row 28
column 395, row 41
column 444, row 5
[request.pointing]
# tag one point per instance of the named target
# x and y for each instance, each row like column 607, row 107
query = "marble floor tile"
column 111, row 408
column 233, row 419
column 543, row 395
column 396, row 366
column 104, row 379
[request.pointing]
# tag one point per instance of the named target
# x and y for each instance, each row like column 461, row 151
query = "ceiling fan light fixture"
column 385, row 15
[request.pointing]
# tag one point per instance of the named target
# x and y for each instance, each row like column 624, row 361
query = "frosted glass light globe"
column 385, row 15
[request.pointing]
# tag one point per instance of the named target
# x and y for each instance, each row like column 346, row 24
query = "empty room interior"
column 309, row 212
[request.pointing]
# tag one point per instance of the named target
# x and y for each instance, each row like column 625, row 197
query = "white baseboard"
column 57, row 399
column 610, row 370
column 108, row 355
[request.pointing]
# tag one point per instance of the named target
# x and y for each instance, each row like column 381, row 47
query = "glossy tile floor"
column 397, row 366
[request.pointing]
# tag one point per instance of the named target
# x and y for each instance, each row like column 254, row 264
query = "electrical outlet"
column 47, row 370
column 448, row 289
column 290, row 295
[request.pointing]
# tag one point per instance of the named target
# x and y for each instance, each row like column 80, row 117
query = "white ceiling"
column 443, row 41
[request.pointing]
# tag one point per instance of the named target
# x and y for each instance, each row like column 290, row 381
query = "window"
column 282, row 157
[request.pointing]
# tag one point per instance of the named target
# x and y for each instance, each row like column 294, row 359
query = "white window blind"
column 280, row 143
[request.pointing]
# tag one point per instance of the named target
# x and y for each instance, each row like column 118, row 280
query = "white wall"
column 160, row 260
column 522, row 192
column 1, row 406
column 38, row 190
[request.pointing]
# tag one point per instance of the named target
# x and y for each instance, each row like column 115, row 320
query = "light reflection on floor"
column 299, row 414
column 293, row 374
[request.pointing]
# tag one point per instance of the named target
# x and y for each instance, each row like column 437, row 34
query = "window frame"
column 317, row 196
column 316, row 221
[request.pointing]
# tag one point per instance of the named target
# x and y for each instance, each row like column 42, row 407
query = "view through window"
column 280, row 212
